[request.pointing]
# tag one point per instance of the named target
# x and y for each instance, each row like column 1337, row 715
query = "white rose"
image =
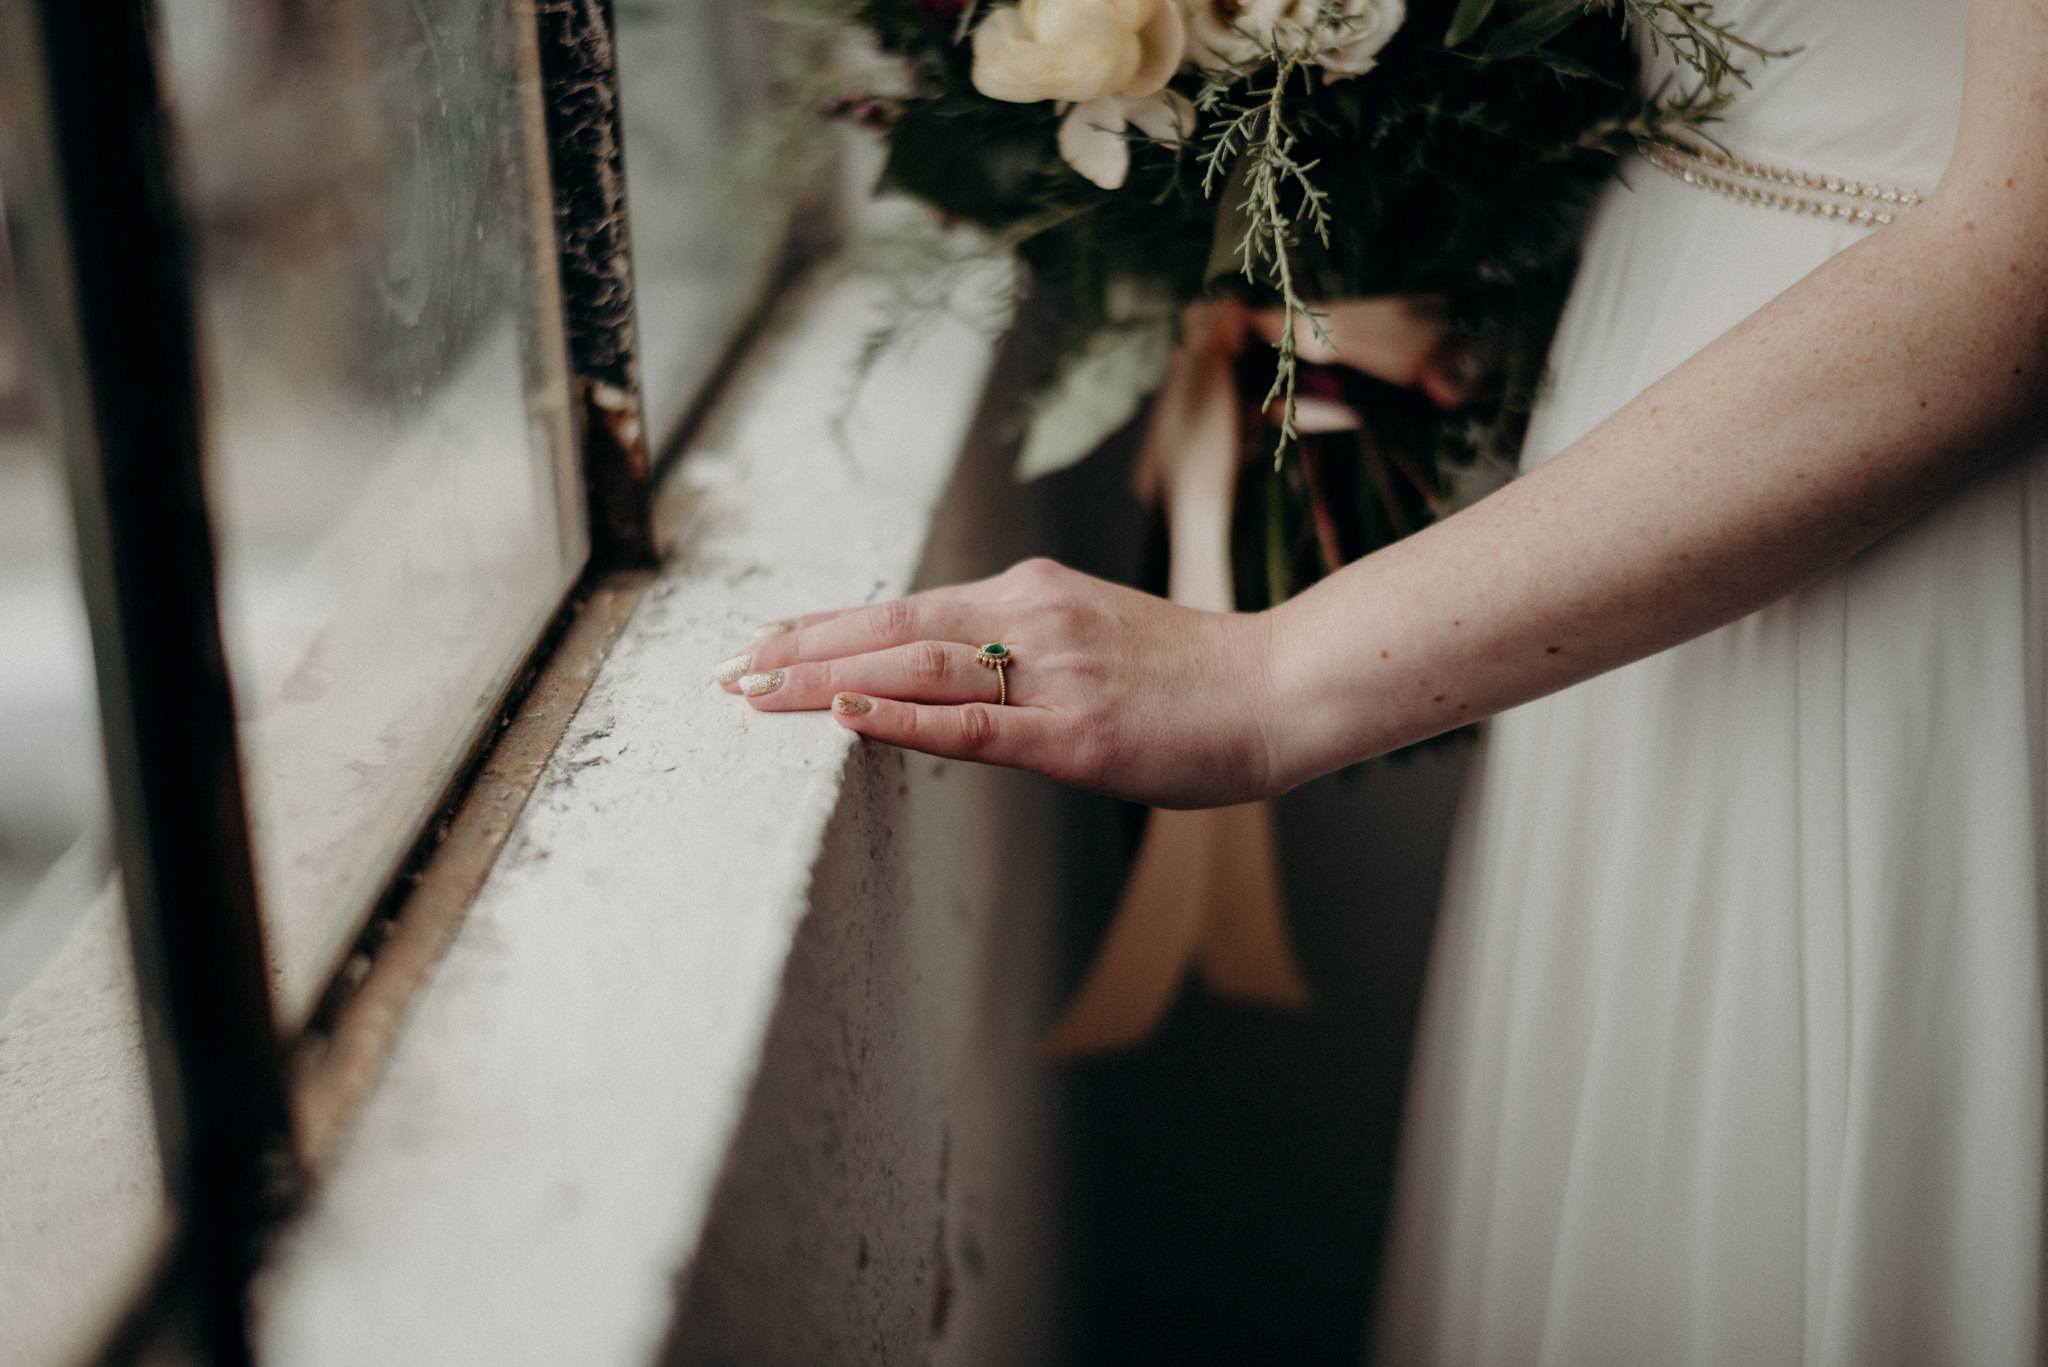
column 1078, row 50
column 1227, row 32
column 1109, row 59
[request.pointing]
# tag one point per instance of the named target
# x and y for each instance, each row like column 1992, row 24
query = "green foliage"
column 1712, row 50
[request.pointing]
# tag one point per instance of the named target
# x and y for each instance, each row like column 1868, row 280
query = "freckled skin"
column 1849, row 404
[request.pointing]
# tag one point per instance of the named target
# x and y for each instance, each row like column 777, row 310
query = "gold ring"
column 995, row 655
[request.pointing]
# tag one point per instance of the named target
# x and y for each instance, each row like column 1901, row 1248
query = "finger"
column 859, row 631
column 1013, row 736
column 928, row 671
column 947, row 593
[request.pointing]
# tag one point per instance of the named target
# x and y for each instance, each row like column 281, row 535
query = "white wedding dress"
column 1733, row 1046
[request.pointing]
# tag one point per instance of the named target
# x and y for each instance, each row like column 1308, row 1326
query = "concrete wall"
column 895, row 1193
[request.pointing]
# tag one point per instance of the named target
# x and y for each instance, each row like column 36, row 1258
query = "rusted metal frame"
column 107, row 262
column 586, row 149
column 344, row 1048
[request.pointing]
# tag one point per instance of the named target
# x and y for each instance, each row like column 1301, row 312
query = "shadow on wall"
column 1236, row 1170
column 910, row 1185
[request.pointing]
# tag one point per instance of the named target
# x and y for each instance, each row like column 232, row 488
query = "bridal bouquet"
column 1142, row 156
column 1242, row 207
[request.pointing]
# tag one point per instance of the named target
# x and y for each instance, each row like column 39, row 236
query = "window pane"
column 389, row 451
column 81, row 1195
column 706, row 192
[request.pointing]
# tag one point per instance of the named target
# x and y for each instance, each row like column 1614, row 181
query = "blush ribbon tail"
column 1204, row 891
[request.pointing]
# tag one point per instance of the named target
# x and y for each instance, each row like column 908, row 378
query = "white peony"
column 1227, row 32
column 1110, row 59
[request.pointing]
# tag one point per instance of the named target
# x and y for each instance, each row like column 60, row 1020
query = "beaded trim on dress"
column 1776, row 187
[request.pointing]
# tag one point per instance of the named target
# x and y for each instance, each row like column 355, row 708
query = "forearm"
column 1837, row 412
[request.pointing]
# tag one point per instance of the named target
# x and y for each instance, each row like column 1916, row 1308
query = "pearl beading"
column 1776, row 187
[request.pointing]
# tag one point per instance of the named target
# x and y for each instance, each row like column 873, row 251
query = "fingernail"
column 847, row 705
column 774, row 629
column 728, row 670
column 754, row 685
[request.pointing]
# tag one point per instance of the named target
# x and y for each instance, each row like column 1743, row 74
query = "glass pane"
column 81, row 1194
column 389, row 449
column 709, row 189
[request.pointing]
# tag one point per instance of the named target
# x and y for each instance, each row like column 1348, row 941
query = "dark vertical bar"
column 586, row 148
column 108, row 273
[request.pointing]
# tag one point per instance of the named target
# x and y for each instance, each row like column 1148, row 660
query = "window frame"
column 245, row 1115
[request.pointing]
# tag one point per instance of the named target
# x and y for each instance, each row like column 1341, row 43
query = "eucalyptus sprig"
column 1708, row 47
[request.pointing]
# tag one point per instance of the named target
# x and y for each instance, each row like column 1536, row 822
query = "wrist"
column 1259, row 701
column 1293, row 715
column 1332, row 683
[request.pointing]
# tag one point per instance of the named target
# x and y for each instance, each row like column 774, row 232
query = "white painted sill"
column 530, row 1176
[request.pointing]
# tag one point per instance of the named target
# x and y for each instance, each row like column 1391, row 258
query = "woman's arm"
column 1853, row 401
column 1858, row 398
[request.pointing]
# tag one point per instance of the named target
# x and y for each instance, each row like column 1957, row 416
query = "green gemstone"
column 995, row 650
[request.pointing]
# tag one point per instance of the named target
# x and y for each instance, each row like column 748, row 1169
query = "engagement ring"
column 997, row 656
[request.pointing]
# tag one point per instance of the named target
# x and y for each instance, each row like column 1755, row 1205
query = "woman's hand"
column 1112, row 689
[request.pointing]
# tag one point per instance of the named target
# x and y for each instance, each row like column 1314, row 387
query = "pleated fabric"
column 1733, row 1047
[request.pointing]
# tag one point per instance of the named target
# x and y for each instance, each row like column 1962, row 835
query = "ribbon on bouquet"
column 1204, row 892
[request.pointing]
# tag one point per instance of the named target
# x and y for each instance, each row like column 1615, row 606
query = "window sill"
column 530, row 1178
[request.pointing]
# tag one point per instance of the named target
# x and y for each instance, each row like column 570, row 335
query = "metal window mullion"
column 106, row 259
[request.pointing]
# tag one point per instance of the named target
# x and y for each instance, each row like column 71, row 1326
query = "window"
column 388, row 452
column 334, row 310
